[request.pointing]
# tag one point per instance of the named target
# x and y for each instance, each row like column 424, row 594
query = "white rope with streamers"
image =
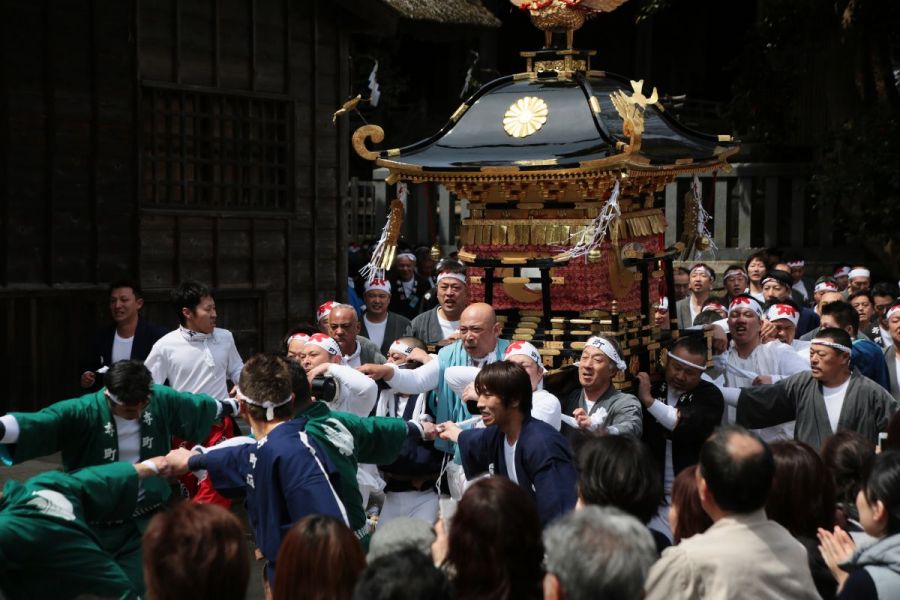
column 703, row 217
column 595, row 234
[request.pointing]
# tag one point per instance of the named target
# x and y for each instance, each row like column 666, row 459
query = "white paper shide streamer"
column 596, row 233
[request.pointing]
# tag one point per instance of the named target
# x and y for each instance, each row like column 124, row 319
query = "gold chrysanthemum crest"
column 525, row 116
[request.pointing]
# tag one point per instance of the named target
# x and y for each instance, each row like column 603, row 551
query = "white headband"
column 457, row 276
column 324, row 310
column 115, row 399
column 325, row 342
column 860, row 273
column 714, row 306
column 842, row 272
column 608, row 349
column 892, row 311
column 663, row 303
column 303, row 337
column 524, row 349
column 269, row 406
column 407, row 255
column 796, row 264
column 746, row 302
column 831, row 344
column 734, row 273
column 709, row 271
column 686, row 363
column 401, row 348
column 783, row 311
column 826, row 286
column 378, row 284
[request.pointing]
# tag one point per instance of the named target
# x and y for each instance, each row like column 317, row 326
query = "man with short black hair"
column 866, row 355
column 439, row 326
column 883, row 296
column 702, row 279
column 408, row 285
column 513, row 443
column 802, row 285
column 743, row 554
column 776, row 286
column 129, row 337
column 131, row 419
column 735, row 281
column 597, row 552
column 682, row 279
column 829, row 398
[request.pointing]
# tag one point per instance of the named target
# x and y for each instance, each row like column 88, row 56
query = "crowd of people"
column 398, row 446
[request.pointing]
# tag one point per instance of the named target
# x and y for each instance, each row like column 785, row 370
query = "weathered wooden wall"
column 164, row 139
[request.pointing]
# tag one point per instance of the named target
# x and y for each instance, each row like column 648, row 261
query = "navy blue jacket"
column 545, row 466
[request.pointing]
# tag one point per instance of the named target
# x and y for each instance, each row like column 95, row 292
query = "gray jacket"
column 368, row 352
column 881, row 561
column 890, row 359
column 426, row 327
column 395, row 327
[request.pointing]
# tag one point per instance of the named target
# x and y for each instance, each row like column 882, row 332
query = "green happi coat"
column 84, row 431
column 47, row 549
column 349, row 440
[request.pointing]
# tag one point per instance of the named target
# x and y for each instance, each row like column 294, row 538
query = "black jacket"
column 99, row 352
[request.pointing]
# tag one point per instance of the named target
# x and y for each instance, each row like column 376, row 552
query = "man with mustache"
column 439, row 325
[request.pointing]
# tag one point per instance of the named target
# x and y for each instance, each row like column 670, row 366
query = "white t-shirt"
column 375, row 331
column 448, row 328
column 886, row 338
column 187, row 366
column 509, row 454
column 129, row 433
column 408, row 286
column 121, row 349
column 834, row 401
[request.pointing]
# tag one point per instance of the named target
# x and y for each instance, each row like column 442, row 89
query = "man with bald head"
column 743, row 554
column 355, row 349
column 479, row 344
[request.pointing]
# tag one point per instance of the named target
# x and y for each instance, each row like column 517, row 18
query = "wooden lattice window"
column 211, row 150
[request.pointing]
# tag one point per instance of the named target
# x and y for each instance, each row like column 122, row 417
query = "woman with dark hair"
column 686, row 514
column 849, row 457
column 494, row 548
column 319, row 559
column 871, row 570
column 618, row 470
column 195, row 551
column 802, row 501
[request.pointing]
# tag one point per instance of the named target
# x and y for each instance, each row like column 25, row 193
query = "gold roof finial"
column 554, row 16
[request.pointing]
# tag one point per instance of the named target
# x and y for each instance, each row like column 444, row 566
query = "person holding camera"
column 321, row 359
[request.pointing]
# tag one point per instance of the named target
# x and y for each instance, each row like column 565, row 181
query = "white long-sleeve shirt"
column 200, row 366
column 356, row 392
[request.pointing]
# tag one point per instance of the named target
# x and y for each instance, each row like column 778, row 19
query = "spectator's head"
column 344, row 325
column 597, row 552
column 735, row 280
column 405, row 574
column 661, row 313
column 829, row 356
column 864, row 304
column 265, row 389
column 735, row 474
column 878, row 502
column 842, row 276
column 296, row 338
column 125, row 301
column 319, row 559
column 494, row 543
column 401, row 348
column 859, row 278
column 526, row 356
column 504, row 394
column 401, row 533
column 452, row 293
column 784, row 315
column 405, row 265
column 377, row 297
column 715, row 305
column 128, row 388
column 883, row 295
column 842, row 316
column 745, row 320
column 707, row 316
column 195, row 551
column 802, row 494
column 682, row 279
column 848, row 456
column 318, row 350
column 686, row 363
column 600, row 360
column 425, row 266
column 797, row 266
column 756, row 266
column 702, row 278
column 617, row 470
column 776, row 285
column 195, row 306
column 478, row 329
column 686, row 514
